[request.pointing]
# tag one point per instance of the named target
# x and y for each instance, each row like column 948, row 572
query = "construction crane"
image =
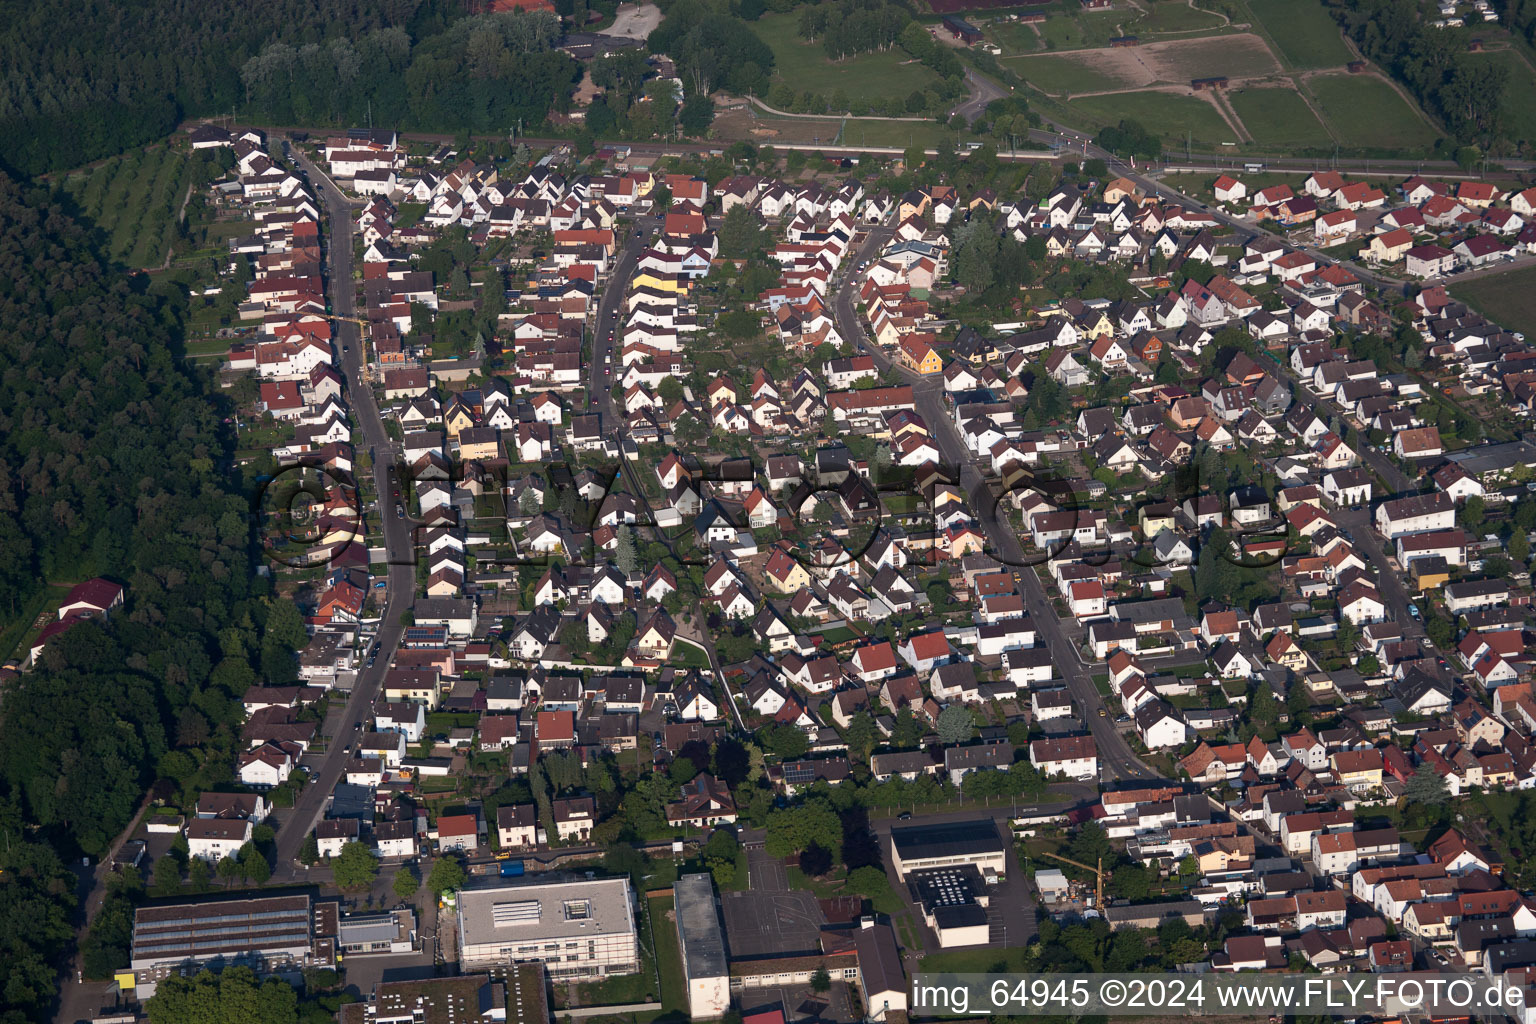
column 1098, row 874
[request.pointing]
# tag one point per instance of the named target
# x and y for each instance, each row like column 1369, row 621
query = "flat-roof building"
column 270, row 935
column 916, row 847
column 578, row 928
column 473, row 999
column 393, row 931
column 703, row 947
column 953, row 902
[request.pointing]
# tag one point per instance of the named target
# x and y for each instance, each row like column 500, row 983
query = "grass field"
column 1519, row 117
column 1278, row 117
column 134, row 199
column 805, row 66
column 668, row 958
column 1080, row 31
column 1303, row 30
column 734, row 124
column 1063, row 75
column 1508, row 298
column 1174, row 16
column 1369, row 113
column 1172, row 116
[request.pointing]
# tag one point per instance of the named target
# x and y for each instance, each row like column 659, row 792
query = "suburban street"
column 1116, row 759
column 604, row 368
column 326, row 770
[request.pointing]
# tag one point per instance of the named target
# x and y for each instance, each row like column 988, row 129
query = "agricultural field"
column 1068, row 74
column 1175, row 62
column 1279, row 117
column 1367, row 113
column 1172, row 116
column 1508, row 298
column 805, row 67
column 1244, row 55
column 1519, row 116
column 1305, row 33
column 135, row 200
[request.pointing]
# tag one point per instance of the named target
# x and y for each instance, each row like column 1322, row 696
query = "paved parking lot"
column 765, row 873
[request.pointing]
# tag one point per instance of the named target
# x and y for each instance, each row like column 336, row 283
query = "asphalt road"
column 983, row 91
column 610, row 317
column 1116, row 759
column 326, row 770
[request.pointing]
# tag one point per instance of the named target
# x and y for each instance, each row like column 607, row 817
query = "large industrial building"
column 578, row 928
column 279, row 935
column 703, row 947
column 918, row 847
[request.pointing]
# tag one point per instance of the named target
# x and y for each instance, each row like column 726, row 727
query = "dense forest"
column 114, row 461
column 1466, row 96
column 79, row 80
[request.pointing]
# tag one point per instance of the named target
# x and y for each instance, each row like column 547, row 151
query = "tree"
column 199, row 875
column 741, row 233
column 862, row 736
column 731, row 762
column 623, row 859
column 661, row 198
column 815, row 860
column 355, row 867
column 1473, row 513
column 228, row 869
column 309, row 852
column 1519, row 547
column 868, row 881
column 254, row 865
column 1426, row 787
column 1441, row 631
column 405, row 884
column 908, row 732
column 720, row 856
column 627, row 557
column 821, row 981
column 783, row 739
column 791, row 829
column 955, row 725
column 447, row 874
column 167, row 876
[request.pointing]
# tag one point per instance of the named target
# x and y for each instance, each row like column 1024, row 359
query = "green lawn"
column 1519, row 117
column 1508, row 298
column 1172, row 116
column 669, row 959
column 976, row 961
column 1279, row 117
column 1369, row 113
column 1081, row 30
column 1306, row 34
column 806, row 68
column 1063, row 75
column 855, row 131
column 1013, row 37
column 689, row 654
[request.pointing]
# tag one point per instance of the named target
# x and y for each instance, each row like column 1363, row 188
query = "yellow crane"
column 1098, row 874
